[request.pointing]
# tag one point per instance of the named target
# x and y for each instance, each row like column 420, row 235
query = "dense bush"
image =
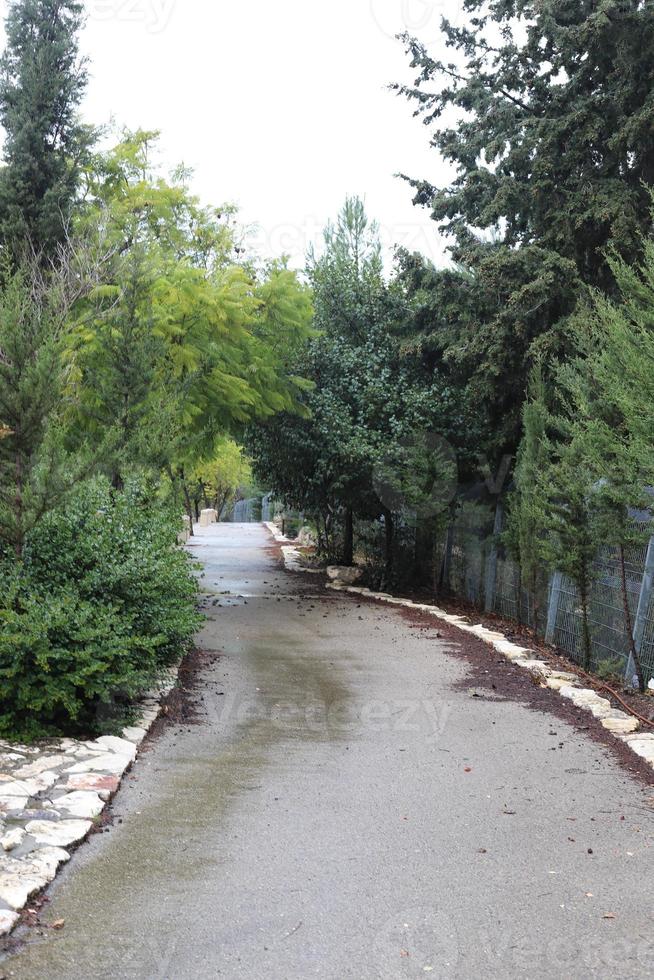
column 102, row 602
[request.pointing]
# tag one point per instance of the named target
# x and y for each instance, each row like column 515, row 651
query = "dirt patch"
column 642, row 704
column 180, row 707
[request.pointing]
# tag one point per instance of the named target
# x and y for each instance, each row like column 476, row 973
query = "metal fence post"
column 646, row 587
column 491, row 563
column 553, row 608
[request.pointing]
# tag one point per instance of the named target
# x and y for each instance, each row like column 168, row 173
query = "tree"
column 36, row 471
column 528, row 504
column 571, row 543
column 183, row 343
column 553, row 146
column 219, row 480
column 348, row 457
column 607, row 387
column 42, row 83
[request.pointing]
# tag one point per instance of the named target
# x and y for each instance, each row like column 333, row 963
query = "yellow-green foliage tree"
column 185, row 341
column 218, row 481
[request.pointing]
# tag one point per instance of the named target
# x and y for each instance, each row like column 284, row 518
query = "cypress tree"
column 42, row 83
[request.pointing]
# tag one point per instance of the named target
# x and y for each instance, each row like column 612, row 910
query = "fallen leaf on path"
column 58, row 924
column 608, row 915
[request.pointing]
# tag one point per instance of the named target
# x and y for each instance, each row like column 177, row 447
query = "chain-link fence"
column 478, row 569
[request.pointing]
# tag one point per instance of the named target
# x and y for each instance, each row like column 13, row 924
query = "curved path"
column 343, row 807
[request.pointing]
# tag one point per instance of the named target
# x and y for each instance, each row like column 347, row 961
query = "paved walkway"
column 345, row 808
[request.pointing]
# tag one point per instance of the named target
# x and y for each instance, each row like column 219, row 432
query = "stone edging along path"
column 51, row 793
column 292, row 556
column 568, row 685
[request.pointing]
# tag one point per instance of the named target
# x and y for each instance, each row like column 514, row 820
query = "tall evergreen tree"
column 42, row 83
column 544, row 109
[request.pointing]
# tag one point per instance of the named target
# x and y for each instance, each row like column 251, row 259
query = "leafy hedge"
column 102, row 603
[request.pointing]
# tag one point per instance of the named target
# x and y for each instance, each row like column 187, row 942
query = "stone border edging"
column 567, row 684
column 292, row 557
column 52, row 794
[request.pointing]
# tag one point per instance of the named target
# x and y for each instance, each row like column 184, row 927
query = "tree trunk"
column 628, row 622
column 188, row 503
column 348, row 538
column 20, row 533
column 389, row 540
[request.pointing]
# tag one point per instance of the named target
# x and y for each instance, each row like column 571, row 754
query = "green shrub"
column 101, row 604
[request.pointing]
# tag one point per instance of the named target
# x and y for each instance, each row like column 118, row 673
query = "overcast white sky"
column 279, row 106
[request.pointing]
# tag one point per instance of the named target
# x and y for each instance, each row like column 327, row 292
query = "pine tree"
column 42, row 83
column 528, row 503
column 571, row 542
column 543, row 109
column 35, row 469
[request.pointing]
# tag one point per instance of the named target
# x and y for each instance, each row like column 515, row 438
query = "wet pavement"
column 344, row 807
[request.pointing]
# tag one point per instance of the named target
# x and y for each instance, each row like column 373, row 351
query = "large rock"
column 208, row 517
column 7, row 921
column 59, row 834
column 104, row 786
column 14, row 838
column 119, row 745
column 39, row 766
column 112, row 763
column 620, row 723
column 344, row 574
column 80, row 803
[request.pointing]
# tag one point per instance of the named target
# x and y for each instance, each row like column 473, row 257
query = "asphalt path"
column 343, row 805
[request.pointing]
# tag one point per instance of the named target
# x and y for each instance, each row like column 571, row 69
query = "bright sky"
column 279, row 106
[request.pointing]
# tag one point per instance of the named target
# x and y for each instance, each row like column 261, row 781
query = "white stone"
column 46, row 861
column 643, row 747
column 59, row 834
column 571, row 693
column 511, row 651
column 110, row 762
column 119, row 745
column 13, row 788
column 346, row 574
column 14, row 838
column 583, row 695
column 600, row 708
column 535, row 666
column 556, row 683
column 7, row 921
column 208, row 517
column 620, row 726
column 565, row 675
column 41, row 765
column 13, row 802
column 16, row 889
column 81, row 803
column 135, row 735
column 38, row 784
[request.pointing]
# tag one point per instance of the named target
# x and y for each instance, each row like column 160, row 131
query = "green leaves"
column 103, row 602
column 42, row 83
column 183, row 344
